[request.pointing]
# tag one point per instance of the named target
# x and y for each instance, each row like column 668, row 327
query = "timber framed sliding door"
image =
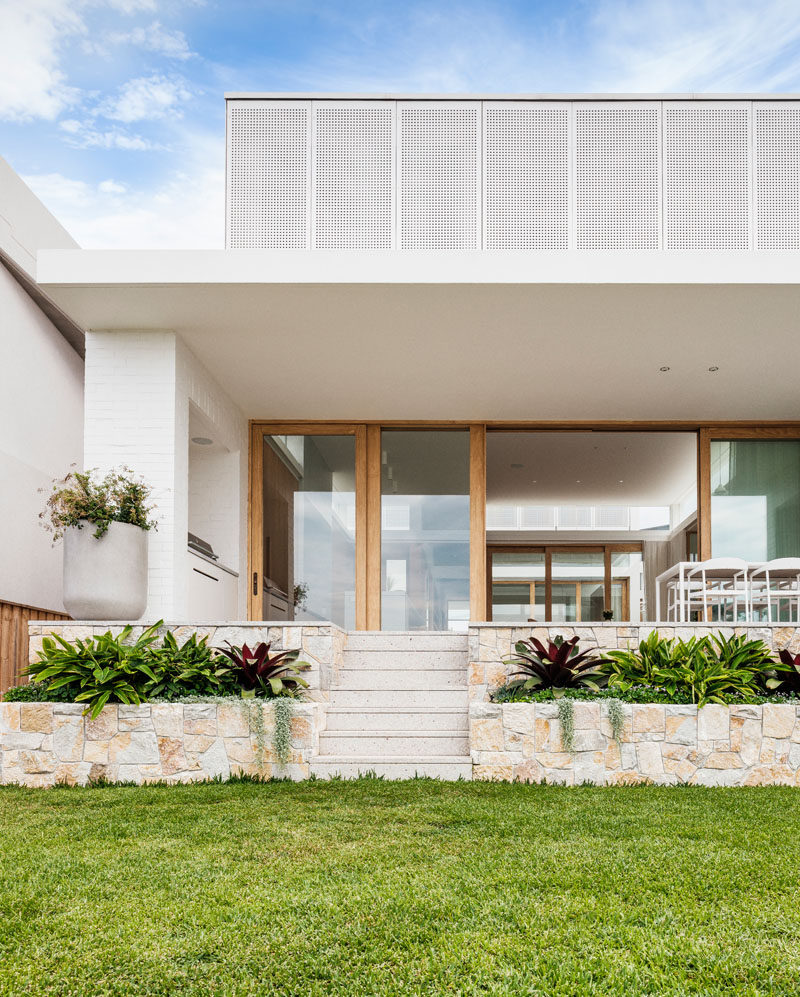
column 372, row 526
column 307, row 523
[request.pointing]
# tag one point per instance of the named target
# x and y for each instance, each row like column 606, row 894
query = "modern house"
column 41, row 417
column 462, row 359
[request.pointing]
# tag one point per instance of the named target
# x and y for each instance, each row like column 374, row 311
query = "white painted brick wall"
column 138, row 388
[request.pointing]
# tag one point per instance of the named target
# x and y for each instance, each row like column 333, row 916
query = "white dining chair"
column 715, row 584
column 774, row 583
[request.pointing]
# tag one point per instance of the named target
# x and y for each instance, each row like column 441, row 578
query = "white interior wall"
column 41, row 435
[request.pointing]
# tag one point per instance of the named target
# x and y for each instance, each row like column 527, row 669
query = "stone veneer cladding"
column 42, row 744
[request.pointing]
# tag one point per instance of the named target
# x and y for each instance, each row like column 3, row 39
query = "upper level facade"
column 342, row 172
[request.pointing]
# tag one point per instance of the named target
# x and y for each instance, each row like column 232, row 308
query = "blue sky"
column 113, row 110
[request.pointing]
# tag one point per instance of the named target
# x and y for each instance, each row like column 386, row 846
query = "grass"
column 376, row 888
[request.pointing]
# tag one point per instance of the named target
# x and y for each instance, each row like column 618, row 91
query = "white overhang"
column 544, row 336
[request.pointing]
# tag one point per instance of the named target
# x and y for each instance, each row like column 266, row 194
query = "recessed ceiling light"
column 578, row 481
column 202, row 441
column 663, row 370
column 620, row 480
column 712, row 369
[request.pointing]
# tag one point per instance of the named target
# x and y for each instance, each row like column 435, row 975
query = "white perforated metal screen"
column 526, row 189
column 438, row 163
column 354, row 175
column 776, row 147
column 268, row 174
column 617, row 176
column 707, row 175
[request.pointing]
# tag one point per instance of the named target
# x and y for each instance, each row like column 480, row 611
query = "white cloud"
column 85, row 135
column 156, row 38
column 32, row 84
column 147, row 98
column 183, row 211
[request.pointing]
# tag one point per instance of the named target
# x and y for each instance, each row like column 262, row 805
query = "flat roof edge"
column 289, row 95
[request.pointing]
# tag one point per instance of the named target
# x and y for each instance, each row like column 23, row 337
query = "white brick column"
column 134, row 415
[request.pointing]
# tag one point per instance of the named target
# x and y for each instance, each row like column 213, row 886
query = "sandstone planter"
column 42, row 744
column 105, row 578
column 664, row 744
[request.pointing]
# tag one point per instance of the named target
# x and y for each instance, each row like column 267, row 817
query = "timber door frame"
column 255, row 506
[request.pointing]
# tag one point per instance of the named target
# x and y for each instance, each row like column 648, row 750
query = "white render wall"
column 138, row 389
column 41, row 435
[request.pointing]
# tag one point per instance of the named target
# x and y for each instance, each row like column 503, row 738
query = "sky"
column 113, row 110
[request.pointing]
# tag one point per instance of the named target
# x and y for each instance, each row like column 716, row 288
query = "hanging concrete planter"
column 105, row 579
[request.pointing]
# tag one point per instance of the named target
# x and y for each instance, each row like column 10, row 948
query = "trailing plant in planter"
column 566, row 718
column 104, row 524
column 558, row 665
column 82, row 498
column 616, row 718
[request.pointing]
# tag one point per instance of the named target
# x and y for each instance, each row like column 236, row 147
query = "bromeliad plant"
column 260, row 673
column 784, row 676
column 558, row 665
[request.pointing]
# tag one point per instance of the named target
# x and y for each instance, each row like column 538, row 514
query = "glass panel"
column 565, row 602
column 309, row 528
column 755, row 499
column 424, row 530
column 572, row 567
column 627, row 586
column 511, row 602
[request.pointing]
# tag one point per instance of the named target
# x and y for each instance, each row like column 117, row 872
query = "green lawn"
column 371, row 888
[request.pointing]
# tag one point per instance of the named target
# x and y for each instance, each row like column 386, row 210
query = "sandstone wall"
column 42, row 744
column 712, row 746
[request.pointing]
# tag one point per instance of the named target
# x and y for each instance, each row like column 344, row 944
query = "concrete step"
column 427, row 660
column 374, row 679
column 383, row 743
column 410, row 699
column 396, row 718
column 385, row 640
column 449, row 767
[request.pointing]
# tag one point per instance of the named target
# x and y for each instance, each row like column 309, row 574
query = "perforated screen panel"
column 353, row 176
column 439, row 175
column 706, row 176
column 617, row 182
column 777, row 175
column 268, row 175
column 526, row 176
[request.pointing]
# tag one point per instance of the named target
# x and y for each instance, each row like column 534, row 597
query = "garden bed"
column 715, row 745
column 42, row 744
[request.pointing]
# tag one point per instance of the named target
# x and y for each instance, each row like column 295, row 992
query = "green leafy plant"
column 40, row 692
column 566, row 718
column 282, row 709
column 627, row 668
column 784, row 677
column 191, row 669
column 558, row 665
column 260, row 673
column 82, row 496
column 616, row 718
column 101, row 669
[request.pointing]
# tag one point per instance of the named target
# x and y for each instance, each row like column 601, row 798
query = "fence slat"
column 14, row 639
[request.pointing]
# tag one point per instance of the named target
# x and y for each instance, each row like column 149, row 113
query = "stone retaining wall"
column 489, row 643
column 712, row 746
column 321, row 645
column 42, row 744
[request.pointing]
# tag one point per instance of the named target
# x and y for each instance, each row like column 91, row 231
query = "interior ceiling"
column 539, row 352
column 646, row 469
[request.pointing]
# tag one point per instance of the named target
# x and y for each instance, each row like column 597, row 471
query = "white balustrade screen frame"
column 753, row 173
